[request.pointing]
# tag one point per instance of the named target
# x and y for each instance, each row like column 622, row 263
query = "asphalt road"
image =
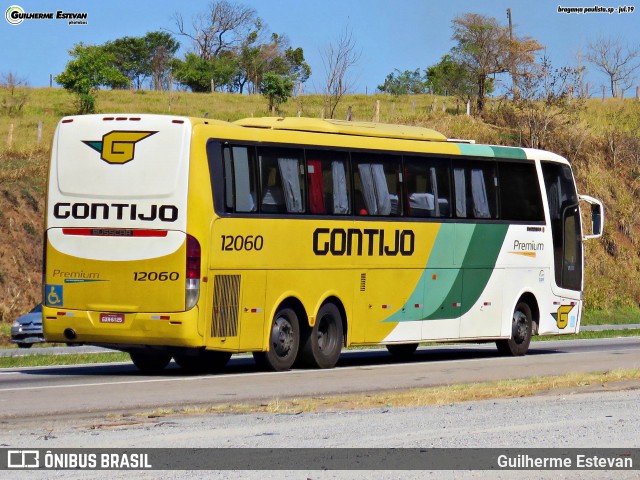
column 89, row 390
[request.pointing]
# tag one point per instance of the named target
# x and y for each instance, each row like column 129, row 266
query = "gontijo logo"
column 118, row 146
column 14, row 15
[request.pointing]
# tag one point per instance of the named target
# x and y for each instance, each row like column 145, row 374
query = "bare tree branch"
column 222, row 27
column 338, row 59
column 619, row 62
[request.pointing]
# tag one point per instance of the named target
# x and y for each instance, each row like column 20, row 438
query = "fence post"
column 622, row 95
column 468, row 108
column 10, row 136
column 349, row 114
column 638, row 94
column 39, row 131
column 413, row 106
column 603, row 90
column 376, row 114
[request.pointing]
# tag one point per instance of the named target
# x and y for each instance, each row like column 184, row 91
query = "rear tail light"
column 192, row 291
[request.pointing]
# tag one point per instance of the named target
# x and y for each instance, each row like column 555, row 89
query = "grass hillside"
column 601, row 140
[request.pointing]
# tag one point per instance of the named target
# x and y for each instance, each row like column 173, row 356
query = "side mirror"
column 597, row 217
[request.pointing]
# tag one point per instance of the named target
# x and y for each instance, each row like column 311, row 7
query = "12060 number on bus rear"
column 155, row 276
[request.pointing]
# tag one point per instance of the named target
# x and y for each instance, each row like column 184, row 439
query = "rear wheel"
column 284, row 341
column 403, row 351
column 150, row 361
column 24, row 345
column 521, row 331
column 321, row 345
column 203, row 361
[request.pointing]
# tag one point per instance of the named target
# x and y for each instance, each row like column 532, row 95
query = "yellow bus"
column 193, row 239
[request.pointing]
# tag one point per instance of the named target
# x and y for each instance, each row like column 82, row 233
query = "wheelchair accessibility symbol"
column 54, row 295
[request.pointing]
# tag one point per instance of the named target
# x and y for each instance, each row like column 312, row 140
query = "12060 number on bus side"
column 232, row 243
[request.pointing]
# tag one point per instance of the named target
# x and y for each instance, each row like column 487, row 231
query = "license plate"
column 112, row 318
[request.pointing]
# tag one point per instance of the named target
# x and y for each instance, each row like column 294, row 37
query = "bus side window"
column 377, row 185
column 475, row 190
column 328, row 183
column 427, row 187
column 520, row 196
column 280, row 174
column 239, row 184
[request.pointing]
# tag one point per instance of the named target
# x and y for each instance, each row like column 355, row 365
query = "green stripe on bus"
column 509, row 152
column 480, row 261
column 450, row 289
column 476, row 150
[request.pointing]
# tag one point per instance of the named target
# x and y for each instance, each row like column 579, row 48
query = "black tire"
column 521, row 331
column 322, row 344
column 402, row 351
column 203, row 361
column 150, row 361
column 284, row 342
column 24, row 345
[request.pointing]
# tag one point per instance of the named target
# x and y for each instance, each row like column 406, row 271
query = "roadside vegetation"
column 420, row 397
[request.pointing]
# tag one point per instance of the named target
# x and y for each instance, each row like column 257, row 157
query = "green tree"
column 449, row 77
column 486, row 48
column 404, row 83
column 276, row 88
column 161, row 49
column 130, row 57
column 199, row 74
column 139, row 58
column 90, row 68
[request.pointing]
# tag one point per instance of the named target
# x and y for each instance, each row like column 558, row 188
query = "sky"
column 390, row 34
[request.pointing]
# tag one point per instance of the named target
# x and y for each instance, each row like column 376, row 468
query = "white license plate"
column 112, row 318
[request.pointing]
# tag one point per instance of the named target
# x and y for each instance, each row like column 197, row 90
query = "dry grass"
column 421, row 397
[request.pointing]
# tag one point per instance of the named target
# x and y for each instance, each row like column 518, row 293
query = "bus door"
column 566, row 231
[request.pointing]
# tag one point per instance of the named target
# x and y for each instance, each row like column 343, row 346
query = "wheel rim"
column 282, row 336
column 326, row 333
column 519, row 328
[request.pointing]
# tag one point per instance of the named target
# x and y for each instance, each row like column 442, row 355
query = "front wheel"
column 521, row 331
column 284, row 341
column 151, row 361
column 322, row 344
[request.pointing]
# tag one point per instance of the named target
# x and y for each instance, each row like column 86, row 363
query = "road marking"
column 290, row 372
column 237, row 375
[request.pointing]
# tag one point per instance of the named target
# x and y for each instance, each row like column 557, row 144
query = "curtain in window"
column 461, row 193
column 479, row 194
column 291, row 184
column 316, row 187
column 382, row 190
column 368, row 188
column 244, row 196
column 340, row 196
column 434, row 189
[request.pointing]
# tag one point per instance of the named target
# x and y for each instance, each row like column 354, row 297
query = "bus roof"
column 343, row 127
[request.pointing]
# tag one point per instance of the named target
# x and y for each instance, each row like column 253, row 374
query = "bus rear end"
column 119, row 267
